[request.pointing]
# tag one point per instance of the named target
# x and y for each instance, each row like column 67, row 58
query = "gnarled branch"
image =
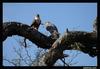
column 16, row 28
column 78, row 40
column 87, row 42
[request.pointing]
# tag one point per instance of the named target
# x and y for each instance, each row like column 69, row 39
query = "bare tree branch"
column 73, row 57
column 16, row 28
column 77, row 40
column 64, row 62
column 88, row 41
column 20, row 55
column 10, row 62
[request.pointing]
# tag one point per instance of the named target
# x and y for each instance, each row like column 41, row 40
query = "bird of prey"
column 52, row 29
column 36, row 23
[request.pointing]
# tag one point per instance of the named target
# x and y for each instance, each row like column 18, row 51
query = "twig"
column 28, row 55
column 19, row 54
column 73, row 58
column 64, row 62
column 10, row 62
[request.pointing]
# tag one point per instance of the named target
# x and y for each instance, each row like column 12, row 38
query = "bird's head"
column 37, row 17
column 47, row 23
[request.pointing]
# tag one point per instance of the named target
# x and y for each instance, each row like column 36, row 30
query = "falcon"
column 52, row 29
column 36, row 23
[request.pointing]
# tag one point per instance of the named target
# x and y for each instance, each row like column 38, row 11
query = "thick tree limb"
column 77, row 40
column 67, row 41
column 16, row 28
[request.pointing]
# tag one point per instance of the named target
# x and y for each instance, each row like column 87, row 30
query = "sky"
column 74, row 16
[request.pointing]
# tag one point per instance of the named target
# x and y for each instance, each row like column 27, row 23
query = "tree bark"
column 86, row 42
column 75, row 40
column 16, row 28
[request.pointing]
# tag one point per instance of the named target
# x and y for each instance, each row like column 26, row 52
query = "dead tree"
column 70, row 40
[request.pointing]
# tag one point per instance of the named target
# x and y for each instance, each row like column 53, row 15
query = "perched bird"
column 52, row 29
column 36, row 23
